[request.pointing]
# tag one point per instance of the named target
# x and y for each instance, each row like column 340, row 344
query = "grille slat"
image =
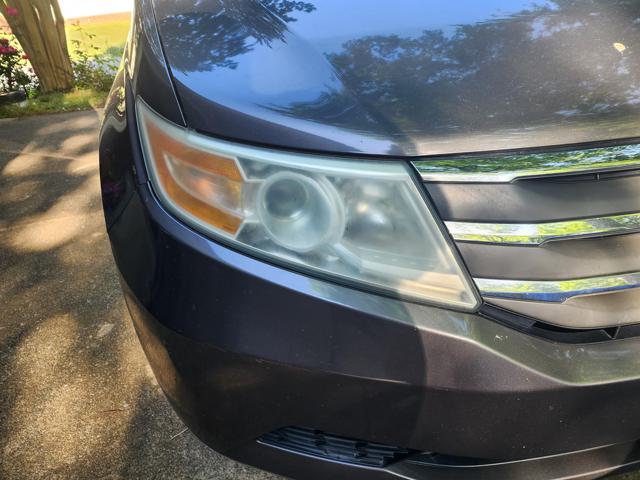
column 559, row 291
column 590, row 257
column 622, row 308
column 504, row 168
column 533, row 201
column 539, row 233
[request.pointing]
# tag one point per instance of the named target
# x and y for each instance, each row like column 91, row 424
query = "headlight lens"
column 363, row 222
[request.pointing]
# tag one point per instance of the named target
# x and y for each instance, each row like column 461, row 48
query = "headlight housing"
column 361, row 222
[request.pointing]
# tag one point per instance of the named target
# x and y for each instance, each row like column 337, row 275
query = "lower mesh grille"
column 334, row 447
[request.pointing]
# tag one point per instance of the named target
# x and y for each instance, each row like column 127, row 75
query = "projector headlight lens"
column 299, row 212
column 362, row 222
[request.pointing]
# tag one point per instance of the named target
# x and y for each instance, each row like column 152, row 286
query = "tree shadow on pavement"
column 78, row 399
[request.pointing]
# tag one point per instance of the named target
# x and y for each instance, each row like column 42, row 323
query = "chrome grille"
column 554, row 236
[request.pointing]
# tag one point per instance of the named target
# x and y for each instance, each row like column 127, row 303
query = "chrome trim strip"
column 539, row 233
column 510, row 167
column 556, row 291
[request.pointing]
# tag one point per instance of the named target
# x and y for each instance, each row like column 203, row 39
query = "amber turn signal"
column 206, row 185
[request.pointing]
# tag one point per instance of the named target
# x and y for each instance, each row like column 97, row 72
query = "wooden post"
column 39, row 27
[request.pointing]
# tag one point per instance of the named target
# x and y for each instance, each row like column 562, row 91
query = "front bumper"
column 242, row 348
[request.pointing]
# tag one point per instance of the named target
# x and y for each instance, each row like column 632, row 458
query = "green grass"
column 56, row 102
column 110, row 36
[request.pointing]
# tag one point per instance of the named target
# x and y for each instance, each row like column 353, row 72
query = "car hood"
column 412, row 77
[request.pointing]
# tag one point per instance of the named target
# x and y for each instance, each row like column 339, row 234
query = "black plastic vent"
column 334, row 447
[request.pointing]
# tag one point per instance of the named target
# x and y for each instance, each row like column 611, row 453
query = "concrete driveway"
column 77, row 398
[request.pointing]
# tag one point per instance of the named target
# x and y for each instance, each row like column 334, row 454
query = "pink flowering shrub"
column 14, row 70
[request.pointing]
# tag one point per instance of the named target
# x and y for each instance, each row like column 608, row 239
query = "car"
column 378, row 240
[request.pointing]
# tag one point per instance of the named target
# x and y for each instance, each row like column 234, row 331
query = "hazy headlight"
column 299, row 212
column 361, row 222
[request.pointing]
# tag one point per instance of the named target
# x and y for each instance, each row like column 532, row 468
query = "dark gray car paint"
column 147, row 70
column 409, row 77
